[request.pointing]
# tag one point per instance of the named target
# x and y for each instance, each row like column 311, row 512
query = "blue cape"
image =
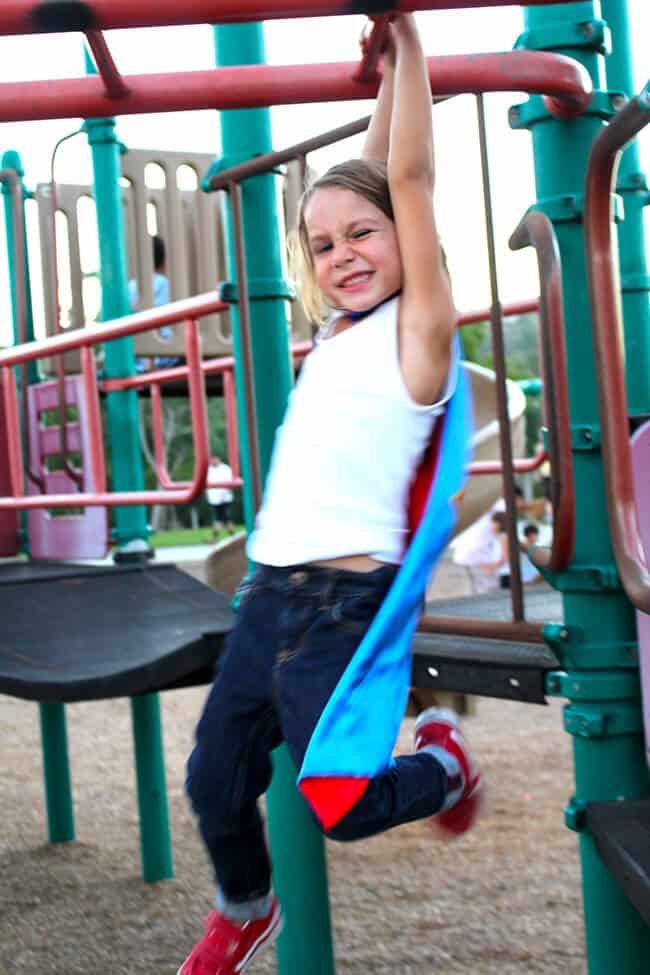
column 356, row 732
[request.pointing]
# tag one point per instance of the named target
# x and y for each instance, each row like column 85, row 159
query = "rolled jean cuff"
column 253, row 909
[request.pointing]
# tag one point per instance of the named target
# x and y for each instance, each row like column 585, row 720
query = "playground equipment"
column 589, row 654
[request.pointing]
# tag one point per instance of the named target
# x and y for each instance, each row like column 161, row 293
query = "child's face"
column 354, row 247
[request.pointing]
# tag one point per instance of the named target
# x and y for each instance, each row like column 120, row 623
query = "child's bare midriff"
column 353, row 563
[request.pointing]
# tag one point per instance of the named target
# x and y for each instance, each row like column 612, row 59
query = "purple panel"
column 641, row 469
column 71, row 536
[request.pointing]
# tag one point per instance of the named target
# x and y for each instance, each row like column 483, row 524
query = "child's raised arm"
column 377, row 138
column 427, row 314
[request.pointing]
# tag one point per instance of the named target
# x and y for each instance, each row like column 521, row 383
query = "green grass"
column 187, row 536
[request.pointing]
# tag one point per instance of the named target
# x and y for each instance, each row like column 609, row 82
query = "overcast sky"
column 458, row 194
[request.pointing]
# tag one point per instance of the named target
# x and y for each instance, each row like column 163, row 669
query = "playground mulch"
column 504, row 900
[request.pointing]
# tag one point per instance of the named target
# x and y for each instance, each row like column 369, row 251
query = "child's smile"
column 354, row 248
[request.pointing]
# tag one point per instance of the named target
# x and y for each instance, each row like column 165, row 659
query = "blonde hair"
column 369, row 179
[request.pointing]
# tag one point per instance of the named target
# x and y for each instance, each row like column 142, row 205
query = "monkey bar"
column 33, row 17
column 564, row 83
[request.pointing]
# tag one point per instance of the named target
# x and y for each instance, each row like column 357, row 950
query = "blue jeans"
column 297, row 629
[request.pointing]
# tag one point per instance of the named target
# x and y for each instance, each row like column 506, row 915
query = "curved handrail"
column 536, row 230
column 85, row 339
column 607, row 326
column 523, row 465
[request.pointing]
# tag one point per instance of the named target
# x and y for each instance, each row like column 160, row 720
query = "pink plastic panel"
column 70, row 536
column 640, row 445
column 8, row 519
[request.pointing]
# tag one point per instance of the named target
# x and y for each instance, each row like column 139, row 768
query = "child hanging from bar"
column 320, row 653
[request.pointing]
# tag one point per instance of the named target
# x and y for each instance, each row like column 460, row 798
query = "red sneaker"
column 228, row 948
column 438, row 728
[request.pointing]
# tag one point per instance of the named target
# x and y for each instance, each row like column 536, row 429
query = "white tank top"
column 346, row 452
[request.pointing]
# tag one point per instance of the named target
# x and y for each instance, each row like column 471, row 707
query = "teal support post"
column 56, row 771
column 155, row 841
column 121, row 407
column 297, row 848
column 597, row 642
column 633, row 189
column 131, row 529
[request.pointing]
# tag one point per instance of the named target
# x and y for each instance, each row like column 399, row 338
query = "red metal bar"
column 142, row 321
column 75, row 475
column 513, row 631
column 14, row 450
column 507, row 311
column 256, row 86
column 94, row 419
column 158, row 432
column 113, row 80
column 500, row 376
column 271, row 160
column 209, row 366
column 11, row 177
column 126, row 326
column 607, row 325
column 246, row 344
column 536, row 230
column 33, row 16
column 522, row 466
column 371, row 46
column 232, row 432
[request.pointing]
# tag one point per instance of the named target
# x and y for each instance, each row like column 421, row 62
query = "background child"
column 358, row 423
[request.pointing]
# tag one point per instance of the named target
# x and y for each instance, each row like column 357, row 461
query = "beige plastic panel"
column 73, row 316
column 191, row 224
column 189, row 221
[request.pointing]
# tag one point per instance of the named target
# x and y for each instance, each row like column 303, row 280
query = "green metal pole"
column 56, row 770
column 597, row 642
column 127, row 474
column 131, row 530
column 155, row 842
column 633, row 189
column 297, row 848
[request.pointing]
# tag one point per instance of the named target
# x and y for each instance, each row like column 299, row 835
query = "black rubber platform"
column 621, row 831
column 79, row 633
column 490, row 668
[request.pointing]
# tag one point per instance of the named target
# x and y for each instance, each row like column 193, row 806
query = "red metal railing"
column 507, row 311
column 34, row 17
column 256, row 86
column 113, row 80
column 536, row 230
column 372, row 43
column 607, row 324
column 188, row 310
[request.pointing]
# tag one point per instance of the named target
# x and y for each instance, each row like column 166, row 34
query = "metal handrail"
column 607, row 326
column 34, row 17
column 372, row 43
column 108, row 70
column 559, row 79
column 536, row 230
column 85, row 340
column 523, row 465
